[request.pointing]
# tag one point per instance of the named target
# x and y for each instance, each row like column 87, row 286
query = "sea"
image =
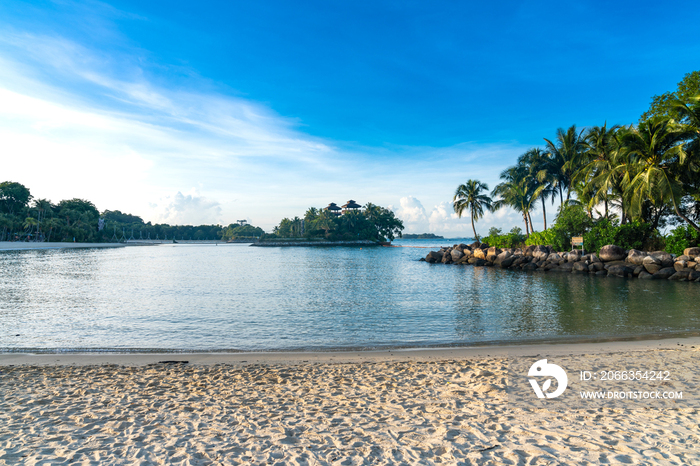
column 233, row 298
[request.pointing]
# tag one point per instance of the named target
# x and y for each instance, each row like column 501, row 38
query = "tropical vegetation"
column 372, row 223
column 613, row 184
column 24, row 218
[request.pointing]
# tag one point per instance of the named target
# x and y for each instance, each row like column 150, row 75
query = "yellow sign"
column 577, row 241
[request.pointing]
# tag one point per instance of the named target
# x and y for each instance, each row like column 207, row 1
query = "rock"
column 433, row 257
column 530, row 266
column 692, row 252
column 679, row 265
column 467, row 253
column 607, row 265
column 446, row 258
column 540, row 252
column 664, row 273
column 637, row 270
column 682, row 258
column 484, row 246
column 580, row 267
column 474, row 245
column 652, row 264
column 645, row 275
column 679, row 276
column 665, row 258
column 602, row 272
column 422, row 259
column 636, row 256
column 553, row 257
column 596, row 266
column 594, row 258
column 611, row 252
column 620, row 271
column 694, row 275
column 505, row 263
column 492, row 253
column 479, row 254
column 566, row 267
column 691, row 264
column 456, row 255
column 476, row 261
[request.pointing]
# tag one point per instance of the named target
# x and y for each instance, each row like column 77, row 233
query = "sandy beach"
column 446, row 406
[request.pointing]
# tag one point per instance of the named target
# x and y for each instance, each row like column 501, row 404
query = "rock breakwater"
column 610, row 261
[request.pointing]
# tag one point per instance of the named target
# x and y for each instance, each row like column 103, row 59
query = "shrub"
column 513, row 239
column 542, row 238
column 680, row 238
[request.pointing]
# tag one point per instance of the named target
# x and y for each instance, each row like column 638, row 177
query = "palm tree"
column 658, row 161
column 564, row 158
column 469, row 196
column 517, row 194
column 601, row 148
column 534, row 162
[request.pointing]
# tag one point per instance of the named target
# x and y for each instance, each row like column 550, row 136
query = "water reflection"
column 241, row 298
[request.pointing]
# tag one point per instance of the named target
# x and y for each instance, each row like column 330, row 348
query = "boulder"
column 566, row 267
column 692, row 252
column 652, row 264
column 637, row 270
column 446, row 258
column 484, row 246
column 620, row 271
column 530, row 266
column 682, row 258
column 665, row 258
column 596, row 266
column 476, row 261
column 505, row 263
column 456, row 255
column 602, row 272
column 611, row 253
column 433, row 257
column 645, row 275
column 492, row 253
column 553, row 257
column 679, row 265
column 636, row 256
column 580, row 267
column 694, row 275
column 540, row 252
column 474, row 245
column 679, row 276
column 479, row 254
column 594, row 258
column 607, row 265
column 664, row 273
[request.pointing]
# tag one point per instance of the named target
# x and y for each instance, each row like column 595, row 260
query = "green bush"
column 513, row 239
column 680, row 238
column 542, row 238
column 634, row 235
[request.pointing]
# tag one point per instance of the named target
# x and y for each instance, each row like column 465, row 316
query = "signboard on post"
column 577, row 241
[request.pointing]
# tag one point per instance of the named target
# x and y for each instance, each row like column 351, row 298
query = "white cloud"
column 190, row 209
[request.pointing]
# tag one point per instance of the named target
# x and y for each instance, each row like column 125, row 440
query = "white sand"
column 397, row 407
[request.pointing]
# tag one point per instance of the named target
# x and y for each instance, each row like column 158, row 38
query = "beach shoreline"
column 424, row 406
column 383, row 355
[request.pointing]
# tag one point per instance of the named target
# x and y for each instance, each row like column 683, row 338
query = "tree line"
column 637, row 178
column 24, row 218
column 373, row 222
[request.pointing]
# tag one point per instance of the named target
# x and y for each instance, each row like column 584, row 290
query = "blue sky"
column 209, row 112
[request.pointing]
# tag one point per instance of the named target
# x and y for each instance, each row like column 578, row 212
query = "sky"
column 211, row 112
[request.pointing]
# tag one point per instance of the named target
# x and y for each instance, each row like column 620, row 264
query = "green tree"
column 659, row 160
column 469, row 196
column 13, row 197
column 664, row 105
column 517, row 194
column 564, row 159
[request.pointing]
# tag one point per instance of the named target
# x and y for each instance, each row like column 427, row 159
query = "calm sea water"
column 240, row 298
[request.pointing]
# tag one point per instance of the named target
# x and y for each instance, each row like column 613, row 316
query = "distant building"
column 333, row 209
column 351, row 206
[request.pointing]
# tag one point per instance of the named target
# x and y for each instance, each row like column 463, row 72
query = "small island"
column 422, row 236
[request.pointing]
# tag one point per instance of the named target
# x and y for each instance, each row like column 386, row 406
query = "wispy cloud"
column 79, row 122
